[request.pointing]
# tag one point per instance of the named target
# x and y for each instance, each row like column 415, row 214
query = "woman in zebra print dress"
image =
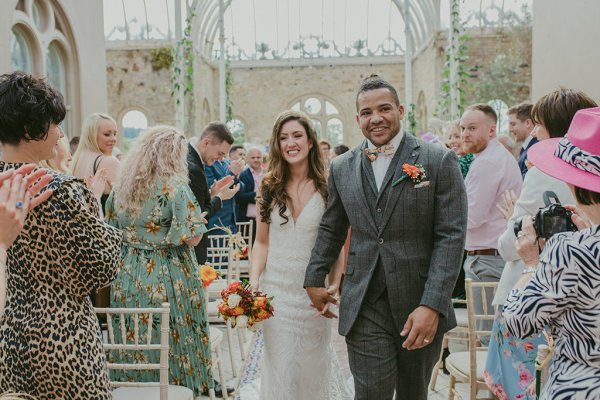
column 560, row 287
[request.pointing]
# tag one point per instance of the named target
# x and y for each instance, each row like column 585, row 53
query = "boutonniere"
column 415, row 172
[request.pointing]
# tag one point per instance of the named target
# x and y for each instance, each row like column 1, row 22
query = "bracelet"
column 529, row 270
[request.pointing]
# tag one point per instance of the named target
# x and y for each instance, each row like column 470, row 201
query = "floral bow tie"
column 387, row 149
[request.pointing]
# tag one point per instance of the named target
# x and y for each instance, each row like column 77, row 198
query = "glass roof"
column 279, row 29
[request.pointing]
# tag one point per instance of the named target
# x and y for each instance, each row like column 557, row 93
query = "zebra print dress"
column 564, row 294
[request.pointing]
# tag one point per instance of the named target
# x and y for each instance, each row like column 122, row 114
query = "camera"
column 553, row 218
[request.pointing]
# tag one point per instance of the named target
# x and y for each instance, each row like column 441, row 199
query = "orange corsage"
column 415, row 172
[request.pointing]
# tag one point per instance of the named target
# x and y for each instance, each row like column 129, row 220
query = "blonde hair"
column 89, row 137
column 159, row 153
column 63, row 167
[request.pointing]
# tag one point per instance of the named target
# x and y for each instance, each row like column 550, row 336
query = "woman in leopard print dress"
column 50, row 341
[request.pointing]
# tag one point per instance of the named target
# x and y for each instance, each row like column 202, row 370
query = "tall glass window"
column 325, row 116
column 19, row 52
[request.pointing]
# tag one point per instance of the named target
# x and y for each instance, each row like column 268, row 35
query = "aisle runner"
column 250, row 381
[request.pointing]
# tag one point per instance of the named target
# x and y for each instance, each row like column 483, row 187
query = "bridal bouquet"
column 246, row 309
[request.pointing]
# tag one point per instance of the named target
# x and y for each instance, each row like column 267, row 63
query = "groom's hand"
column 321, row 298
column 421, row 327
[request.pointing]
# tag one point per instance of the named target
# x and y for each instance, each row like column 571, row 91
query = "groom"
column 405, row 201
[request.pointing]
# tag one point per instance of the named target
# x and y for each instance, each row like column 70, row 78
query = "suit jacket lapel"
column 408, row 155
column 358, row 161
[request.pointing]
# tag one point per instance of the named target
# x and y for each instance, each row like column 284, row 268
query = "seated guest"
column 161, row 221
column 560, row 288
column 51, row 340
column 251, row 178
column 551, row 115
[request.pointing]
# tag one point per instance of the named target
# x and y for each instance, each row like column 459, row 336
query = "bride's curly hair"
column 273, row 186
column 159, row 153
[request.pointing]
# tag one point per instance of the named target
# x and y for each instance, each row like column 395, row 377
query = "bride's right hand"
column 254, row 284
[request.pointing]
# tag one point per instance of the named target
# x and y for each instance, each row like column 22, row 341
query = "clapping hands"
column 507, row 204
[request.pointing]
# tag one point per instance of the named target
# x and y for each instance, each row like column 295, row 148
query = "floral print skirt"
column 146, row 279
column 510, row 366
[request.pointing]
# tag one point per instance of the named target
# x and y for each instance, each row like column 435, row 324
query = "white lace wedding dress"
column 298, row 361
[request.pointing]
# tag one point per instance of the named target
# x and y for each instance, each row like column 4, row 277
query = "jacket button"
column 380, row 240
column 379, row 210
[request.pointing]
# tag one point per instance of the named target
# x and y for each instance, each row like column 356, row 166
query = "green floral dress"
column 157, row 266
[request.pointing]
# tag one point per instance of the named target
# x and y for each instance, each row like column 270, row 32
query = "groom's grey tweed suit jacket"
column 416, row 235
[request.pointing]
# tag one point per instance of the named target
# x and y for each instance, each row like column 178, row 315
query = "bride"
column 298, row 360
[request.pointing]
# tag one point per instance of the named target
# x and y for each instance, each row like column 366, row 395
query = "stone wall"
column 134, row 85
column 260, row 91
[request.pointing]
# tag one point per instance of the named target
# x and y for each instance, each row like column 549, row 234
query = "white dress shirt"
column 383, row 161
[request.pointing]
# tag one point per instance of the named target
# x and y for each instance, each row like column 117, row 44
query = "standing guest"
column 161, row 222
column 95, row 151
column 551, row 114
column 456, row 144
column 560, row 288
column 396, row 297
column 212, row 145
column 339, row 150
column 493, row 172
column 237, row 152
column 298, row 361
column 63, row 158
column 520, row 124
column 17, row 196
column 221, row 168
column 325, row 147
column 51, row 341
column 73, row 144
column 251, row 177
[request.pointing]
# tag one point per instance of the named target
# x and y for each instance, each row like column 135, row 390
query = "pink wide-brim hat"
column 575, row 158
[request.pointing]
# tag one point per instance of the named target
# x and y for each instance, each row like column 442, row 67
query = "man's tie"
column 387, row 149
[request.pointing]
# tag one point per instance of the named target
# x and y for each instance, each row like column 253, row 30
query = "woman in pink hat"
column 560, row 288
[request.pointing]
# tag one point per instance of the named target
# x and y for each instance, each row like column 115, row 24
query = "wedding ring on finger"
column 426, row 341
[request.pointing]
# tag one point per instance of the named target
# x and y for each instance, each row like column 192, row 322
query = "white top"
column 383, row 161
column 529, row 202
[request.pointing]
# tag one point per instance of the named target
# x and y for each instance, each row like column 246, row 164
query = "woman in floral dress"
column 161, row 221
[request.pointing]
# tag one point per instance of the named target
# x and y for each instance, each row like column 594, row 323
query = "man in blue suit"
column 226, row 216
column 250, row 178
column 521, row 125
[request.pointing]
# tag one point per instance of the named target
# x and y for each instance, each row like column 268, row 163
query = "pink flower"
column 520, row 396
column 525, row 376
column 528, row 346
column 507, row 353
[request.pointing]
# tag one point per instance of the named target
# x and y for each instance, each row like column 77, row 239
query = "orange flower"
column 236, row 311
column 208, row 275
column 151, row 227
column 263, row 314
column 260, row 302
column 150, row 265
column 411, row 170
column 234, row 285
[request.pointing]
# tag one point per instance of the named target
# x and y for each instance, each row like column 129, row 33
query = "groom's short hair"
column 373, row 82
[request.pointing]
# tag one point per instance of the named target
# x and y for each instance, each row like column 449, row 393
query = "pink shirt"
column 251, row 211
column 492, row 172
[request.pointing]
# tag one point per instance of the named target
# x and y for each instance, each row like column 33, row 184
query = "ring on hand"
column 19, row 204
column 426, row 341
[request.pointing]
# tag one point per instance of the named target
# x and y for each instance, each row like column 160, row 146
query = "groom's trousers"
column 377, row 360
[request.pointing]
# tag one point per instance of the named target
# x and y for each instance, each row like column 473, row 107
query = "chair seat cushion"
column 461, row 362
column 152, row 393
column 461, row 317
column 216, row 336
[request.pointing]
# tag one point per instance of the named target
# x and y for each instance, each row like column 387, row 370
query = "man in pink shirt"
column 493, row 171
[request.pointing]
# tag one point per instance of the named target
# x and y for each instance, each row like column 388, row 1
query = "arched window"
column 55, row 73
column 501, row 108
column 237, row 129
column 325, row 116
column 20, row 53
column 133, row 123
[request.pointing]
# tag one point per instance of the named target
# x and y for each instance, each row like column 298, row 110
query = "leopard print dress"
column 50, row 340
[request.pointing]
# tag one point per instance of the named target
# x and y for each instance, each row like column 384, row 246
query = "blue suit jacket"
column 226, row 215
column 523, row 157
column 246, row 195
